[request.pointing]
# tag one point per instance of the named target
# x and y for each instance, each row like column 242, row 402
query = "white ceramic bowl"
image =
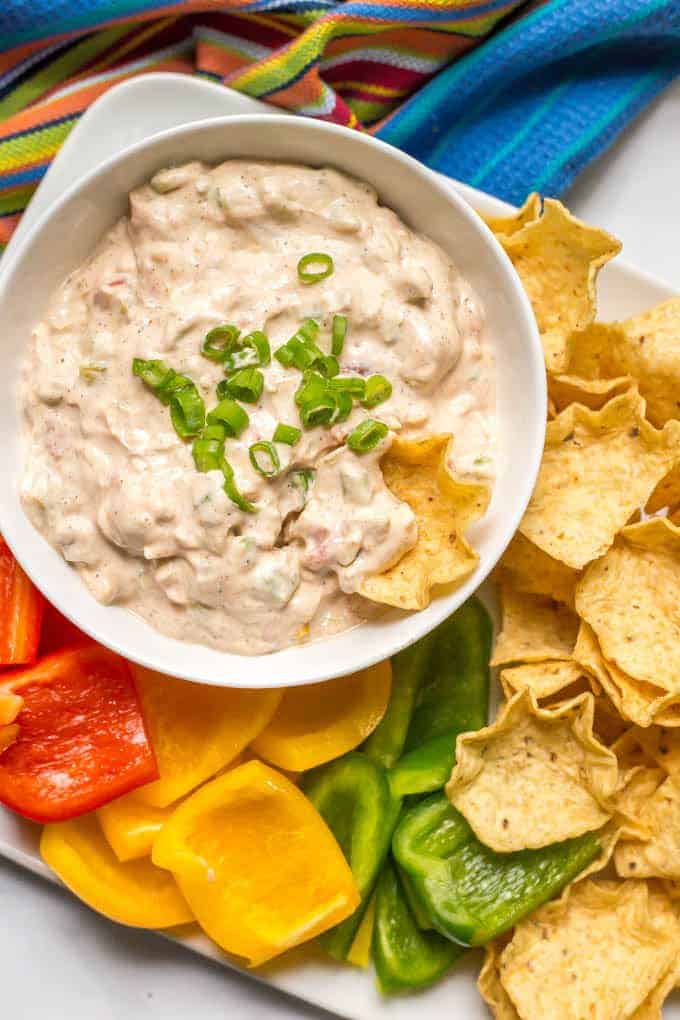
column 67, row 233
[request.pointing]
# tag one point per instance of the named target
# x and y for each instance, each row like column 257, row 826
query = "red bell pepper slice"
column 57, row 632
column 21, row 610
column 82, row 740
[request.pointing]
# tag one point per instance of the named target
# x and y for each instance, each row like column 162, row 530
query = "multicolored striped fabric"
column 551, row 84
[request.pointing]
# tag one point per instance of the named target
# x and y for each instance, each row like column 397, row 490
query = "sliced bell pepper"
column 405, row 957
column 136, row 894
column 196, row 730
column 57, row 632
column 470, row 893
column 256, row 863
column 21, row 611
column 319, row 722
column 360, row 951
column 8, row 734
column 453, row 698
column 82, row 739
column 130, row 826
column 353, row 797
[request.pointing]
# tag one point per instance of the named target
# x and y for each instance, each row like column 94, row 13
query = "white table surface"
column 58, row 959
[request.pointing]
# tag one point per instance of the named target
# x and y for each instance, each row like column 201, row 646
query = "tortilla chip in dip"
column 604, row 950
column 558, row 258
column 504, row 226
column 631, row 599
column 527, row 568
column 598, row 468
column 416, row 471
column 535, row 776
column 535, row 628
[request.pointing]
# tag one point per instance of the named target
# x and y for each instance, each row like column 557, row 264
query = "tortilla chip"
column 600, row 951
column 545, row 679
column 557, row 258
column 504, row 226
column 662, row 746
column 8, row 734
column 416, row 472
column 535, row 776
column 588, row 350
column 531, row 570
column 535, row 628
column 658, row 809
column 592, row 393
column 666, row 494
column 598, row 468
column 635, row 700
column 631, row 599
column 489, row 983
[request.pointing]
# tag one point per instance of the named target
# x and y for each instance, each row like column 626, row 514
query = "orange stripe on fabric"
column 15, row 56
column 221, row 61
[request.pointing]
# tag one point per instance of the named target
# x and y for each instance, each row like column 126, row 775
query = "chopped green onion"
column 367, row 435
column 288, row 434
column 284, row 355
column 305, row 352
column 230, row 416
column 187, row 412
column 249, row 351
column 343, row 407
column 216, row 431
column 352, row 384
column 314, row 258
column 312, row 387
column 378, row 389
column 246, row 385
column 302, row 479
column 219, row 341
column 208, row 453
column 151, row 372
column 231, row 488
column 264, row 458
column 90, row 371
column 338, row 335
column 309, row 330
column 327, row 365
column 318, row 412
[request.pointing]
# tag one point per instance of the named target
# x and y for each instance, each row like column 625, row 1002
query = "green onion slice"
column 208, row 453
column 302, row 479
column 187, row 412
column 378, row 389
column 249, row 351
column 367, row 435
column 339, row 332
column 220, row 341
column 264, row 458
column 187, row 409
column 230, row 416
column 231, row 488
column 318, row 412
column 151, row 372
column 305, row 352
column 288, row 434
column 312, row 388
column 215, row 431
column 343, row 407
column 352, row 384
column 246, row 385
column 314, row 258
column 327, row 365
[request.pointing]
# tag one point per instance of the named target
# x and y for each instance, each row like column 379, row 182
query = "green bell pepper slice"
column 452, row 698
column 353, row 797
column 470, row 893
column 405, row 958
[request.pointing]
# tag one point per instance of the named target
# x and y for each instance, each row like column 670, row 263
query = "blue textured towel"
column 544, row 96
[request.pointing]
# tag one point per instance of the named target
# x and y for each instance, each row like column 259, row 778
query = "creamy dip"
column 112, row 486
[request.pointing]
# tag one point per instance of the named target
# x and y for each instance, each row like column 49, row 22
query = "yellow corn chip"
column 630, row 755
column 588, row 350
column 662, row 746
column 598, row 468
column 592, row 393
column 531, row 570
column 534, row 628
column 600, row 952
column 658, row 809
column 416, row 472
column 666, row 494
column 631, row 599
column 535, row 776
column 635, row 700
column 557, row 258
column 489, row 983
column 545, row 679
column 504, row 226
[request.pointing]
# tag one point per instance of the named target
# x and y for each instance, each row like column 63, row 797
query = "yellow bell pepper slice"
column 319, row 722
column 360, row 950
column 196, row 730
column 256, row 863
column 136, row 893
column 131, row 826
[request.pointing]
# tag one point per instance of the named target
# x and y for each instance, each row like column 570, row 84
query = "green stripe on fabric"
column 17, row 200
column 367, row 111
column 40, row 144
column 583, row 140
column 67, row 64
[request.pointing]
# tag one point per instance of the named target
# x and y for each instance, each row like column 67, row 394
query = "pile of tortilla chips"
column 588, row 739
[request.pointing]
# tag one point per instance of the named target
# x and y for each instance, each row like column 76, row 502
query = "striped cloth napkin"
column 533, row 92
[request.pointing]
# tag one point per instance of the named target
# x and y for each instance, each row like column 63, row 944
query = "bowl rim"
column 400, row 635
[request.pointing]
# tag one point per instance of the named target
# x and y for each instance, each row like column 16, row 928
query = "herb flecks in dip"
column 139, row 509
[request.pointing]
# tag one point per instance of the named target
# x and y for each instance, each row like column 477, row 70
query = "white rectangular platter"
column 129, row 113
